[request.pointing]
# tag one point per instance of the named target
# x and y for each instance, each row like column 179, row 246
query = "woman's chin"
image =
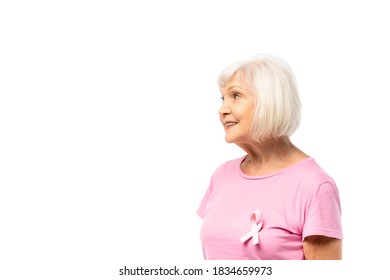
column 229, row 139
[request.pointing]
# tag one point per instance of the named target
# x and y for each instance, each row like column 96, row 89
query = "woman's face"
column 237, row 110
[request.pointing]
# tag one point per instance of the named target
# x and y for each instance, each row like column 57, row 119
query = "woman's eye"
column 235, row 95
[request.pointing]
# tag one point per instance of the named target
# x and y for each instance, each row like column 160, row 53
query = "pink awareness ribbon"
column 255, row 227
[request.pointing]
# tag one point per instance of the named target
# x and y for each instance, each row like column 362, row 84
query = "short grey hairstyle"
column 277, row 110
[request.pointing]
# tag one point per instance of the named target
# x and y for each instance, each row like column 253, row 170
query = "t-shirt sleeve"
column 323, row 215
column 202, row 207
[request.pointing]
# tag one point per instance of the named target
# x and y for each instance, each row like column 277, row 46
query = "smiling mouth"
column 230, row 124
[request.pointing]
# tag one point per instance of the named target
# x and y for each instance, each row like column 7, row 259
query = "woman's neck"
column 269, row 156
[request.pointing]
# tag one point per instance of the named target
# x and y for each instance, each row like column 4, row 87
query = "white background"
column 109, row 130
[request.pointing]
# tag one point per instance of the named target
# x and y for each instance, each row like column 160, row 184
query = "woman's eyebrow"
column 233, row 86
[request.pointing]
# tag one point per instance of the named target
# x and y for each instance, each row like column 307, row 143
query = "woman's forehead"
column 236, row 80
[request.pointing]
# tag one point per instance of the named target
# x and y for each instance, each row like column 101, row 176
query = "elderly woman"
column 275, row 202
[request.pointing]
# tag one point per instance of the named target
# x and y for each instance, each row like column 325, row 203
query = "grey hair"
column 277, row 109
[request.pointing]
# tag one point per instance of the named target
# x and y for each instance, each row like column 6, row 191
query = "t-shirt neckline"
column 258, row 177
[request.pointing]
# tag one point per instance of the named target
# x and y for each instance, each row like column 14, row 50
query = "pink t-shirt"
column 295, row 202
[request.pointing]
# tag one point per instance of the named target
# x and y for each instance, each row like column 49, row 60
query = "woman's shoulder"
column 229, row 165
column 232, row 162
column 311, row 173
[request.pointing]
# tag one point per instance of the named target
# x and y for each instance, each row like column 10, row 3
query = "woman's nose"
column 224, row 110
